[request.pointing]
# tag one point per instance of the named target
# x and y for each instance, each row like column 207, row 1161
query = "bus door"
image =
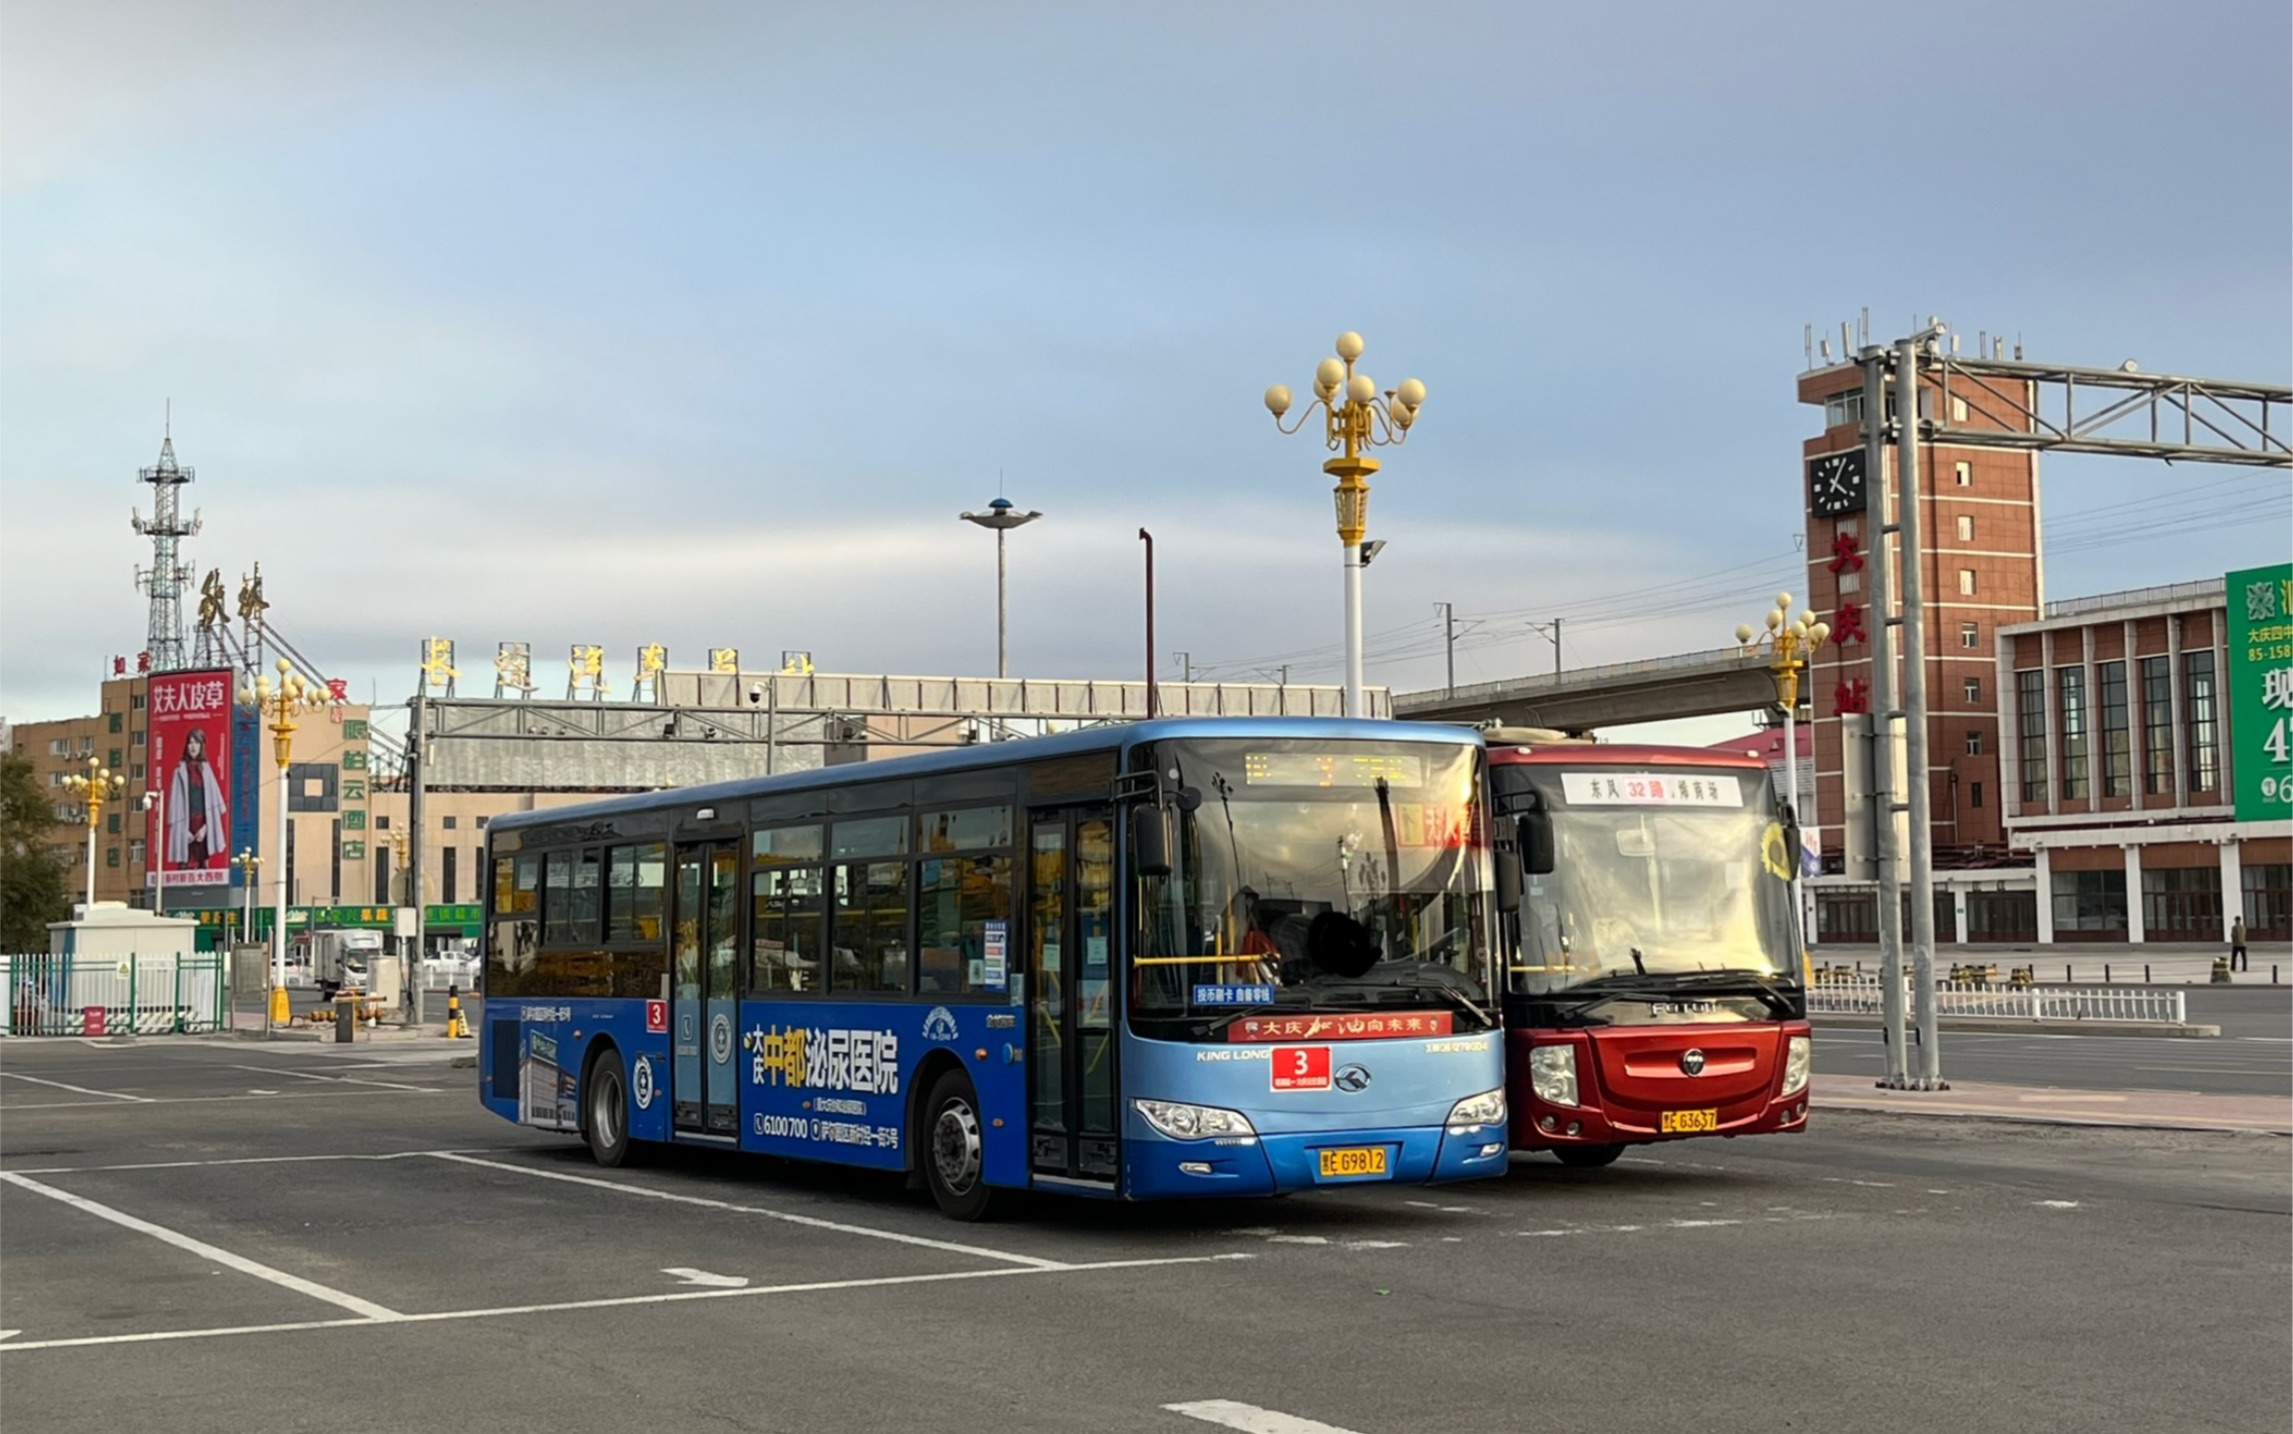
column 1071, row 992
column 704, row 1015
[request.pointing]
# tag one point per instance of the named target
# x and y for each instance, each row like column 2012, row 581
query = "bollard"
column 456, row 1028
column 2067, row 978
column 345, row 1019
column 2145, row 973
column 2105, row 973
column 2220, row 971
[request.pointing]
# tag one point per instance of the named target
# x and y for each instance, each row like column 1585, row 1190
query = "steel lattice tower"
column 168, row 575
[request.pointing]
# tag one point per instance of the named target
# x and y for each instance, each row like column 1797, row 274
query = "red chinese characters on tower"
column 1846, row 554
column 1851, row 698
column 1848, row 624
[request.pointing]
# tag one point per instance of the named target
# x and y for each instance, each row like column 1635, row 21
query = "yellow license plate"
column 1684, row 1122
column 1355, row 1163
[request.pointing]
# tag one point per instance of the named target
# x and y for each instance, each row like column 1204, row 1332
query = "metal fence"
column 1860, row 996
column 80, row 994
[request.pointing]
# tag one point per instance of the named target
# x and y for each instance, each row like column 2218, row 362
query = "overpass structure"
column 1690, row 684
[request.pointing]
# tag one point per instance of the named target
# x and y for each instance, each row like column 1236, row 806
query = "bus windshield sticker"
column 994, row 943
column 1651, row 789
column 1382, row 1026
column 1234, row 995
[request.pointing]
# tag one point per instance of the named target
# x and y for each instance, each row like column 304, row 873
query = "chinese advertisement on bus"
column 190, row 755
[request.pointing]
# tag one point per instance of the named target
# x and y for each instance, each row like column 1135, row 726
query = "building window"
column 60, row 747
column 481, row 824
column 136, row 702
column 1966, row 582
column 450, row 823
column 1975, row 795
column 1966, row 527
column 1958, row 409
column 449, row 891
column 381, row 821
column 2090, row 900
column 135, row 772
column 2030, row 729
column 1974, row 741
column 88, row 744
column 2117, row 738
column 382, row 876
column 1841, row 409
column 136, row 741
column 1851, row 582
column 1972, row 687
column 1970, row 634
column 2268, row 901
column 2071, row 685
column 111, row 856
column 111, row 824
column 2157, row 726
column 113, row 721
column 2204, row 723
column 135, row 852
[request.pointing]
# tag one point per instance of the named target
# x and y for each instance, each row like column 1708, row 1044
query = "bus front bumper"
column 1159, row 1168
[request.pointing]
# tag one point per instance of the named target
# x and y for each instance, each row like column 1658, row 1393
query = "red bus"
column 1655, row 984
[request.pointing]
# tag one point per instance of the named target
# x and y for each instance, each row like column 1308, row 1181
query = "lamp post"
column 246, row 861
column 1356, row 417
column 279, row 703
column 155, row 853
column 1002, row 517
column 99, row 784
column 1790, row 642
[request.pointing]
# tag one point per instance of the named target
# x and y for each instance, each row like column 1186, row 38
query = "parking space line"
column 614, row 1302
column 364, row 1088
column 336, row 1080
column 205, row 1251
column 77, row 1089
column 1251, row 1419
column 810, row 1221
column 265, row 1160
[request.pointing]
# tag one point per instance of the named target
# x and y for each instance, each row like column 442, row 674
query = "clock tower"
column 1979, row 534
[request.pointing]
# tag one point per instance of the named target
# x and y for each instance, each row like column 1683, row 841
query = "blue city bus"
column 1174, row 958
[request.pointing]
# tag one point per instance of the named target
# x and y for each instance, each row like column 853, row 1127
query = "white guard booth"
column 113, row 969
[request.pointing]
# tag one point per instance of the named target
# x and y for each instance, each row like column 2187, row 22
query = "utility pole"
column 1185, row 665
column 1930, row 1071
column 417, row 777
column 1153, row 705
column 1883, row 717
column 1449, row 642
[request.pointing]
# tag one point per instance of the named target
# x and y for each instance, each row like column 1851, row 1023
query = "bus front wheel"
column 1587, row 1157
column 605, row 1110
column 953, row 1148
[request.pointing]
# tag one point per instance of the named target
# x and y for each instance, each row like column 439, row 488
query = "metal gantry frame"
column 2219, row 422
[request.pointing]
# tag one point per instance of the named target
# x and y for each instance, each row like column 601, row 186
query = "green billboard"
column 2260, row 604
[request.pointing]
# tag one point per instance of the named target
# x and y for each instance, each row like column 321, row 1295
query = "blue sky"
column 699, row 324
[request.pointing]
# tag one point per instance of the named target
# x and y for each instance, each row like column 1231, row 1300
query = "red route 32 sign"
column 1301, row 1067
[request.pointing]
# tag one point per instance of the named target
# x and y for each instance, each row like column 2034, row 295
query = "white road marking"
column 268, row 1160
column 2056, row 1204
column 76, row 1089
column 336, row 1080
column 9, row 1333
column 206, row 1251
column 1373, row 1244
column 1251, row 1419
column 812, row 1222
column 690, row 1276
column 1791, row 1219
column 1297, row 1239
column 674, row 1297
column 2052, row 1097
column 365, row 1088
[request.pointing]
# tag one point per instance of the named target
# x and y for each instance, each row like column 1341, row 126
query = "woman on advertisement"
column 198, row 831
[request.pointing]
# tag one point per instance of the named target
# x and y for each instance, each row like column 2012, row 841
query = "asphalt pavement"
column 252, row 1236
column 2252, row 1056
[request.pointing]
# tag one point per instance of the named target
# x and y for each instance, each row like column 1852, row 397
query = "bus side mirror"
column 1536, row 831
column 1508, row 858
column 1150, row 840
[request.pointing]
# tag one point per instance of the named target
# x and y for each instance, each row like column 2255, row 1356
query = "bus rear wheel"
column 953, row 1150
column 605, row 1110
column 1587, row 1157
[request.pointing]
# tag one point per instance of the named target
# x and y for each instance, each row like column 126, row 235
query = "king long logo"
column 940, row 1025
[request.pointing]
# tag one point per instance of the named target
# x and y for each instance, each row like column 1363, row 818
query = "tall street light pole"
column 1002, row 517
column 1355, row 418
column 98, row 785
column 281, row 703
column 1791, row 643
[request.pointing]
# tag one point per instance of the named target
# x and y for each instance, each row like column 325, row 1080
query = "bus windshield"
column 1664, row 874
column 1316, row 876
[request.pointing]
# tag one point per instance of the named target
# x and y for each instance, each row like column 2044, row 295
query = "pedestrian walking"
column 2238, row 961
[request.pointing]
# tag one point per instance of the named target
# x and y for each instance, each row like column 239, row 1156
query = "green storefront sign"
column 2260, row 604
column 462, row 919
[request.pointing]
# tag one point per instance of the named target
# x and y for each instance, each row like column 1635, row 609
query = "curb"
column 2009, row 1025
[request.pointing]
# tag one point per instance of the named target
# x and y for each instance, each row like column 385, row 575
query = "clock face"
column 1835, row 484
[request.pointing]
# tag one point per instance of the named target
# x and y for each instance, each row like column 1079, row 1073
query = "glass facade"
column 2200, row 699
column 2157, row 726
column 2071, row 684
column 2030, row 730
column 2117, row 735
column 2089, row 901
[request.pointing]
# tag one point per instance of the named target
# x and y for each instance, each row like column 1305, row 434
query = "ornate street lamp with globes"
column 1790, row 643
column 1355, row 418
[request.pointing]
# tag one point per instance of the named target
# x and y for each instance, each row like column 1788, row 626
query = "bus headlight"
column 1552, row 1074
column 1180, row 1121
column 1798, row 1061
column 1487, row 1108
